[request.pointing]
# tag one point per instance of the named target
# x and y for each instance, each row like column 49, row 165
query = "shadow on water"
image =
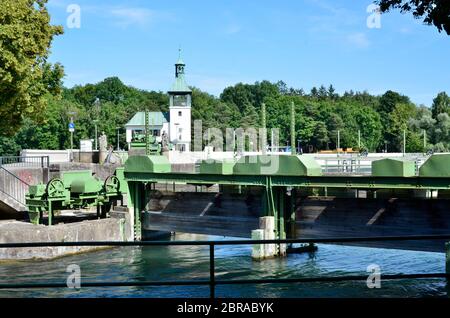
column 232, row 262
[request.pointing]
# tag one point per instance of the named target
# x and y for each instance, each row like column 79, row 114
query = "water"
column 232, row 262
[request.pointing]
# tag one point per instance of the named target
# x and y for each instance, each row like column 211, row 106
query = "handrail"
column 232, row 242
column 11, row 197
column 14, row 176
column 13, row 186
column 212, row 282
column 21, row 161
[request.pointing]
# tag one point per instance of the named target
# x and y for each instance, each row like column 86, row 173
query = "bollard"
column 267, row 224
column 258, row 249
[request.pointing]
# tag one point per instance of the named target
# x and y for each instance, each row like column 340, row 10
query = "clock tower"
column 180, row 109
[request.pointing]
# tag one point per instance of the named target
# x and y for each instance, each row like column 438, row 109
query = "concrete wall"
column 55, row 155
column 31, row 175
column 116, row 228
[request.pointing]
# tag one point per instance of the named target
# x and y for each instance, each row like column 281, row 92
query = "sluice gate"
column 292, row 189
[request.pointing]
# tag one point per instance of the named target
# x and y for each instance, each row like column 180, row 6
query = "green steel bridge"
column 278, row 178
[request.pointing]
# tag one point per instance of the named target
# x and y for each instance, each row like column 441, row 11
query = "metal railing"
column 357, row 165
column 26, row 162
column 12, row 186
column 212, row 282
column 346, row 166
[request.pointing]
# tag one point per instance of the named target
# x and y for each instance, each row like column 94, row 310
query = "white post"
column 258, row 249
column 267, row 224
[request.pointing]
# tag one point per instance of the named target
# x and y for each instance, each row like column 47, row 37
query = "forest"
column 320, row 114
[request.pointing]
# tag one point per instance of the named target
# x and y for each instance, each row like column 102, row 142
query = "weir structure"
column 280, row 179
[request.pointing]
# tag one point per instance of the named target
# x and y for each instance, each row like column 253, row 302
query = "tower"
column 180, row 109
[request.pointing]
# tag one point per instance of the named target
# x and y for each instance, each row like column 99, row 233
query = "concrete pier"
column 267, row 224
column 266, row 231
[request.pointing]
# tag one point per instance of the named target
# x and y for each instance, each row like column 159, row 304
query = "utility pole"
column 96, row 133
column 404, row 142
column 263, row 138
column 71, row 130
column 424, row 140
column 293, row 152
column 97, row 112
column 338, row 141
column 118, row 129
column 359, row 139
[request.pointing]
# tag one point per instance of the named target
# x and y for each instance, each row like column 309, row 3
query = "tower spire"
column 180, row 60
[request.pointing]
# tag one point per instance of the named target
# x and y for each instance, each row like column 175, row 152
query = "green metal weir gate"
column 278, row 200
column 278, row 176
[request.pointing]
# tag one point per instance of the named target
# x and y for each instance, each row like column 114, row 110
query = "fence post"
column 212, row 278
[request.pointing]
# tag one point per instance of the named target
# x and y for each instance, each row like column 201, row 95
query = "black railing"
column 212, row 282
column 12, row 186
column 26, row 162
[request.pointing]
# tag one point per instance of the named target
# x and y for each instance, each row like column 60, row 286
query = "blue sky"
column 305, row 43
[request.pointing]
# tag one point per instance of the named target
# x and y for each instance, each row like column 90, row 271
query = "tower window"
column 179, row 113
column 180, row 100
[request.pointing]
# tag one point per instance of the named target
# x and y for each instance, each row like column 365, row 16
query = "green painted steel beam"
column 363, row 182
column 349, row 182
column 187, row 178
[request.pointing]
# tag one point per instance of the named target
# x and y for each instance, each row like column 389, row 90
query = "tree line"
column 35, row 108
column 320, row 114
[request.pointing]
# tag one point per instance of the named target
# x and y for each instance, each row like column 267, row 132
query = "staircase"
column 12, row 191
column 13, row 188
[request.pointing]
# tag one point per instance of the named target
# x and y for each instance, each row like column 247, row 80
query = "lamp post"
column 71, row 130
column 96, row 133
column 338, row 142
column 118, row 138
column 404, row 142
column 424, row 140
column 359, row 140
column 97, row 111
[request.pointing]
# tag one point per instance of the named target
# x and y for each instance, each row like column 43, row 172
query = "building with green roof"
column 176, row 123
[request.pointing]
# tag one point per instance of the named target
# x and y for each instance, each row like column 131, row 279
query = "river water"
column 232, row 262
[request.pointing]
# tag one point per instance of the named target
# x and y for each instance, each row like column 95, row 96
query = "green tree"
column 441, row 104
column 25, row 76
column 398, row 123
column 434, row 12
column 388, row 102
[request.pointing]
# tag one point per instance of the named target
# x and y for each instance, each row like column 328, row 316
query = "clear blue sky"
column 305, row 43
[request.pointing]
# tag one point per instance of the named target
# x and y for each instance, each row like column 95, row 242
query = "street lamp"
column 95, row 121
column 71, row 130
column 97, row 111
column 118, row 138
